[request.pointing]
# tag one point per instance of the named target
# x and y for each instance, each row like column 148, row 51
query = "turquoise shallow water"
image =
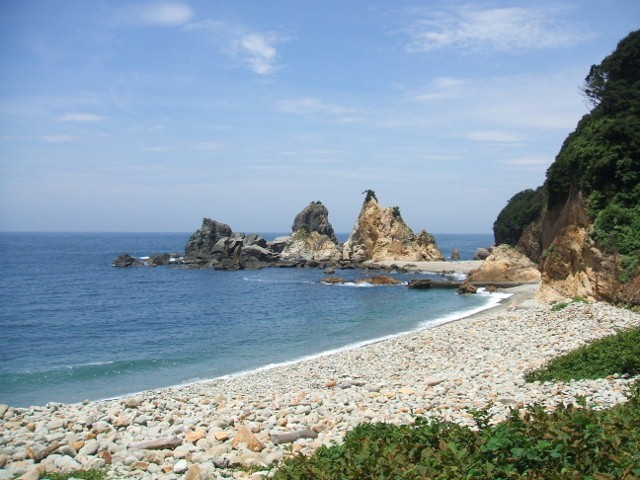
column 75, row 328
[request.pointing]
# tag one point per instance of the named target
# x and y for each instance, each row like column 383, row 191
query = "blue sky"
column 148, row 116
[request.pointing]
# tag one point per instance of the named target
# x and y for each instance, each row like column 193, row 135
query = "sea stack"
column 313, row 238
column 381, row 234
column 316, row 217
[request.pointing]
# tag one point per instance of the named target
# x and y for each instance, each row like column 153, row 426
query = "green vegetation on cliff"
column 601, row 158
column 522, row 209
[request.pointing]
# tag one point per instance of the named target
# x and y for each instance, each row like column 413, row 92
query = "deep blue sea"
column 73, row 327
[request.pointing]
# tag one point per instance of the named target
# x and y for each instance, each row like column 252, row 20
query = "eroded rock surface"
column 380, row 234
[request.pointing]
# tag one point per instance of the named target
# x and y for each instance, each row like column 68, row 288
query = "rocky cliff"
column 316, row 217
column 572, row 264
column 381, row 234
column 586, row 239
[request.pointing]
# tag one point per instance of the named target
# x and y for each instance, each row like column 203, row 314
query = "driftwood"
column 38, row 457
column 157, row 444
column 290, row 437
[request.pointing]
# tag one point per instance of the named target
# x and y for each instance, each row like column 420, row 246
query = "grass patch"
column 557, row 306
column 568, row 443
column 83, row 474
column 615, row 354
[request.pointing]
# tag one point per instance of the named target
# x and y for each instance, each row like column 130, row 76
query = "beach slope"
column 207, row 427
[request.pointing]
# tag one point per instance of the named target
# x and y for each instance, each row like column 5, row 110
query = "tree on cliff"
column 371, row 195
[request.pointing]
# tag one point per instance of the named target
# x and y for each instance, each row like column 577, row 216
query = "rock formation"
column 204, row 240
column 381, row 234
column 316, row 217
column 310, row 246
column 506, row 265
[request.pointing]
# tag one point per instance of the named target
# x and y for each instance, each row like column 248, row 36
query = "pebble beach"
column 205, row 430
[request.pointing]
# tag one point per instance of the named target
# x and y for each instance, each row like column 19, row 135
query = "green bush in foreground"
column 615, row 354
column 568, row 443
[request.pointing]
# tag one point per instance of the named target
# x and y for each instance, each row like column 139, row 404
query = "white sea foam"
column 493, row 300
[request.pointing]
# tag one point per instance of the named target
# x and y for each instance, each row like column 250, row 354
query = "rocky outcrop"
column 310, row 246
column 375, row 280
column 466, row 288
column 482, row 253
column 505, row 265
column 316, row 217
column 204, row 240
column 381, row 234
column 125, row 261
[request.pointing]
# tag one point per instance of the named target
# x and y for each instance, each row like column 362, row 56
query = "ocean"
column 73, row 327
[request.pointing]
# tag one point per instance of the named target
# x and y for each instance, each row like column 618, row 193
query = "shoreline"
column 441, row 372
column 515, row 296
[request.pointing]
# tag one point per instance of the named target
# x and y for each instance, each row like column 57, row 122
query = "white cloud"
column 497, row 136
column 206, row 146
column 313, row 106
column 444, row 88
column 60, row 138
column 164, row 14
column 530, row 161
column 255, row 49
column 259, row 52
column 80, row 117
column 541, row 101
column 507, row 29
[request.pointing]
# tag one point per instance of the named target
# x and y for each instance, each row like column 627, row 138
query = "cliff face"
column 381, row 234
column 571, row 262
column 586, row 239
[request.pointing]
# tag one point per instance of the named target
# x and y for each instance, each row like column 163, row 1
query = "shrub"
column 568, row 443
column 615, row 354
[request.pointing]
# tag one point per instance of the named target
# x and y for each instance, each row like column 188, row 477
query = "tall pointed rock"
column 381, row 234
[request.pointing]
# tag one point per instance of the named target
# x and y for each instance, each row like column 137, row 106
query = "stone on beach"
column 246, row 437
column 157, row 444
